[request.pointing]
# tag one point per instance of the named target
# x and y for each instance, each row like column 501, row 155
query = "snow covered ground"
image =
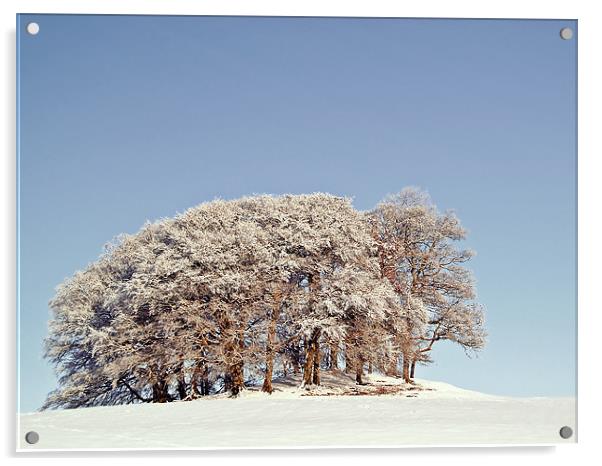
column 383, row 413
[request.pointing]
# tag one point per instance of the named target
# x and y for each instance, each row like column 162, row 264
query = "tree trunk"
column 406, row 369
column 296, row 359
column 309, row 361
column 227, row 382
column 160, row 394
column 182, row 392
column 201, row 387
column 413, row 369
column 205, row 385
column 233, row 378
column 234, row 349
column 311, row 370
column 311, row 374
column 370, row 367
column 199, row 382
column 348, row 361
column 269, row 370
column 407, row 354
column 359, row 370
column 194, row 382
column 334, row 357
column 236, row 378
column 269, row 347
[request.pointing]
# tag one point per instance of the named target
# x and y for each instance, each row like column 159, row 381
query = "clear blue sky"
column 124, row 119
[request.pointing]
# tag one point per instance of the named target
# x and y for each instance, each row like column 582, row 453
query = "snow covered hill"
column 384, row 412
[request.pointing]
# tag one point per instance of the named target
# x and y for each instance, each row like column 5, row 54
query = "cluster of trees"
column 232, row 293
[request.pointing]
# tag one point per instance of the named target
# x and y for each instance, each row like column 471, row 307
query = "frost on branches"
column 234, row 293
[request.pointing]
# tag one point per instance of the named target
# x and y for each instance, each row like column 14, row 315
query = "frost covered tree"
column 419, row 254
column 80, row 312
column 177, row 308
column 232, row 293
column 328, row 239
column 192, row 304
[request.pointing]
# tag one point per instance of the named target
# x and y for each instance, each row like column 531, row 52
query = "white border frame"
column 590, row 75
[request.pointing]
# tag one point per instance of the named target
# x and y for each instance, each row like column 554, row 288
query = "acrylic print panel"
column 295, row 232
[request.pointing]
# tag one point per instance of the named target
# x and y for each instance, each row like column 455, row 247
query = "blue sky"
column 125, row 119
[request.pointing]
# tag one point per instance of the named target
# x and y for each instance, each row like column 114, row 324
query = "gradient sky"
column 125, row 119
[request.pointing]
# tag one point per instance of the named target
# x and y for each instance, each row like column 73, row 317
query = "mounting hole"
column 33, row 28
column 566, row 432
column 566, row 33
column 32, row 437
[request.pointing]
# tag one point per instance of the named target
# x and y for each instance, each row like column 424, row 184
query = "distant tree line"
column 233, row 293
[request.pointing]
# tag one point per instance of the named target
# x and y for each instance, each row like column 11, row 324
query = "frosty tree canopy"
column 236, row 292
